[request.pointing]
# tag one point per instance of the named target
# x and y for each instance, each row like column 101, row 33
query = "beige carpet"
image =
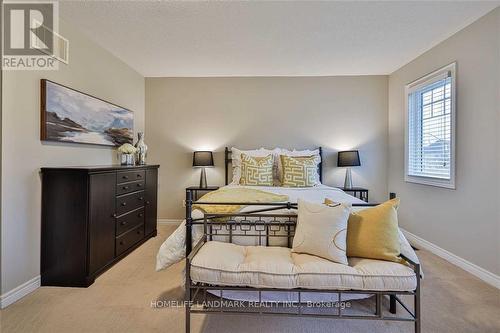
column 120, row 301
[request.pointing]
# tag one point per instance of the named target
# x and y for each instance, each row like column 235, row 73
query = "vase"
column 142, row 149
column 127, row 159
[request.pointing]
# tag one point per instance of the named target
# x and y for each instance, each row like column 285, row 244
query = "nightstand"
column 195, row 191
column 358, row 192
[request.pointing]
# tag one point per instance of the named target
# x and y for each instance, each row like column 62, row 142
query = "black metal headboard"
column 227, row 161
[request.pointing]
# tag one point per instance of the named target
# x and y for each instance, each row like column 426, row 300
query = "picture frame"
column 71, row 116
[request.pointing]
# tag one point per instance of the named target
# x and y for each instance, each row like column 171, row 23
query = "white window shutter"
column 430, row 129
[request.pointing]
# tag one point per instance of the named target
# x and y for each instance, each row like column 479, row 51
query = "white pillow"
column 295, row 153
column 236, row 160
column 322, row 230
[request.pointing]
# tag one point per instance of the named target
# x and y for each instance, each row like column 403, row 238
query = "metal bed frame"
column 266, row 225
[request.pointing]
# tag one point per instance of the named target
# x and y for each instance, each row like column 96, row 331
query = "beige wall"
column 465, row 221
column 90, row 69
column 337, row 113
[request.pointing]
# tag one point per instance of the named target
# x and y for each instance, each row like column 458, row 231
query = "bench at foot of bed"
column 219, row 267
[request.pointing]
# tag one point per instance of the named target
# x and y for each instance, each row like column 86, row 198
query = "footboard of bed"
column 263, row 208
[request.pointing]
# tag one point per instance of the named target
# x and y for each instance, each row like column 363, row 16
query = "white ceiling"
column 305, row 38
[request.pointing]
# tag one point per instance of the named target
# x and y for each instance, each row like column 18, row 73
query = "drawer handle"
column 147, row 202
column 141, row 198
column 139, row 185
column 121, row 242
column 125, row 177
column 141, row 214
column 114, row 215
column 123, row 222
column 125, row 188
column 124, row 203
column 139, row 175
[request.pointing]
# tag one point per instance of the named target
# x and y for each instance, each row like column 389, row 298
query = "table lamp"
column 203, row 159
column 348, row 158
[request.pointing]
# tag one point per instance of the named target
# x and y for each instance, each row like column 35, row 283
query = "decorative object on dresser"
column 203, row 159
column 69, row 115
column 126, row 154
column 92, row 217
column 193, row 192
column 348, row 158
column 358, row 192
column 142, row 149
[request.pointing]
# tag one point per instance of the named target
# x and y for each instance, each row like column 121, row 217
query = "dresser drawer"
column 125, row 241
column 129, row 221
column 129, row 187
column 130, row 176
column 128, row 202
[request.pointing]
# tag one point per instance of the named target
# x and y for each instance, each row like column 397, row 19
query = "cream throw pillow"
column 256, row 171
column 322, row 230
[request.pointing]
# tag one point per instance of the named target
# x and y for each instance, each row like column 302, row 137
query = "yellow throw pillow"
column 256, row 171
column 373, row 232
column 299, row 171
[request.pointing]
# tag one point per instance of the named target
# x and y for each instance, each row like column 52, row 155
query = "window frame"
column 424, row 81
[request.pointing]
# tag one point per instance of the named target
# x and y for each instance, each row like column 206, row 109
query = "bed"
column 257, row 226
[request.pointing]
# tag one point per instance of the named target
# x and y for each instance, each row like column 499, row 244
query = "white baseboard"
column 19, row 292
column 474, row 269
column 169, row 221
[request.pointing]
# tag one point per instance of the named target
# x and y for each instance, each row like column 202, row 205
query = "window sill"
column 448, row 184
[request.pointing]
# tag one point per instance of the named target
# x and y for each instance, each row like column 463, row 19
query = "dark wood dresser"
column 92, row 217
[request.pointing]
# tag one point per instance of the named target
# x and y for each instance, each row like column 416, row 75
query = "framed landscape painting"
column 68, row 115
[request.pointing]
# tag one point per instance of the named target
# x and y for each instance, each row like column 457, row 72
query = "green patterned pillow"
column 257, row 171
column 299, row 171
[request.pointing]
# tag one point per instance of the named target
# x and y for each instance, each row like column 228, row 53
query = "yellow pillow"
column 299, row 171
column 257, row 171
column 373, row 232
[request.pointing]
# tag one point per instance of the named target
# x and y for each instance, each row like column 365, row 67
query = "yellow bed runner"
column 236, row 195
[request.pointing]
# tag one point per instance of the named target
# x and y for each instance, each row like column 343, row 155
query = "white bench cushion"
column 227, row 264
